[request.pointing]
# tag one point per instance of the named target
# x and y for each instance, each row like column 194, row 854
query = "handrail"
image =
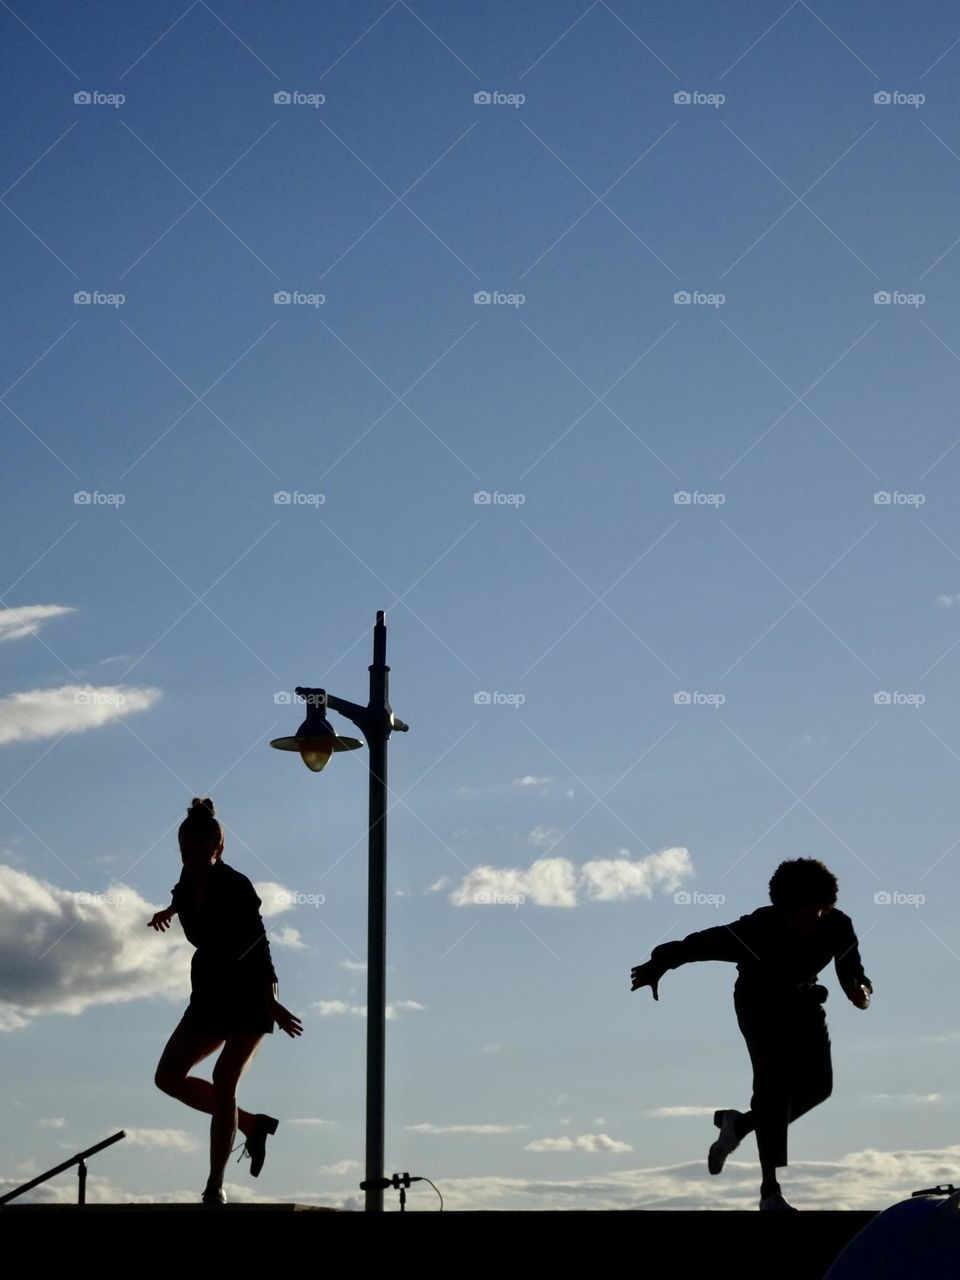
column 78, row 1159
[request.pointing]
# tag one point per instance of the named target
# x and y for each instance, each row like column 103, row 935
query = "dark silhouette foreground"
column 779, row 951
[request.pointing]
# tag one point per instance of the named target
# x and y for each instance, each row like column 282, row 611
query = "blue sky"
column 709, row 608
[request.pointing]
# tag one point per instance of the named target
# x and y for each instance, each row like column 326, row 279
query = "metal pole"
column 379, row 731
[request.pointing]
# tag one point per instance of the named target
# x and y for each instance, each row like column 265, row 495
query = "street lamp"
column 316, row 741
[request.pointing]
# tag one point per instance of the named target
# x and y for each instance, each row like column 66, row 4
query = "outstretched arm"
column 161, row 919
column 730, row 942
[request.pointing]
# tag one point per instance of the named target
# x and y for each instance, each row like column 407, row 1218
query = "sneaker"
column 256, row 1145
column 214, row 1196
column 726, row 1122
column 777, row 1201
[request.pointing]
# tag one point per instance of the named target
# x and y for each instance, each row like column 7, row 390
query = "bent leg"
column 184, row 1050
column 238, row 1053
column 813, row 1068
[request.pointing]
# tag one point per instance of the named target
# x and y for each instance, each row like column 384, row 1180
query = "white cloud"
column 162, row 1139
column 531, row 780
column 287, row 937
column 337, row 1008
column 555, row 882
column 668, row 1112
column 904, row 1099
column 311, row 1120
column 341, row 1167
column 549, row 882
column 593, row 1143
column 276, row 898
column 438, row 884
column 73, row 708
column 465, row 1128
column 947, row 602
column 614, row 879
column 354, row 966
column 543, row 836
column 62, row 950
column 52, row 1122
column 27, row 619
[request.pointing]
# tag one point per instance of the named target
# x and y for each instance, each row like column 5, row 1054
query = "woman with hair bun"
column 233, row 999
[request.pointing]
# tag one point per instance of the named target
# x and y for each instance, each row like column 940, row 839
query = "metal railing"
column 79, row 1160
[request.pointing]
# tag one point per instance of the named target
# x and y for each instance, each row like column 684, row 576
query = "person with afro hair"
column 779, row 952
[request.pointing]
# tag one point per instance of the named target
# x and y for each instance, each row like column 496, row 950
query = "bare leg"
column 184, row 1050
column 238, row 1052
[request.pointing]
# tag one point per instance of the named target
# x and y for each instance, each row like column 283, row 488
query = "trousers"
column 789, row 1047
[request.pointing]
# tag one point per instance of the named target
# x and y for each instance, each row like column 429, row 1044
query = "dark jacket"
column 226, row 928
column 771, row 960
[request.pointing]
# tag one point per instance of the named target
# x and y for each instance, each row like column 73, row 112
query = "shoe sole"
column 715, row 1157
column 269, row 1128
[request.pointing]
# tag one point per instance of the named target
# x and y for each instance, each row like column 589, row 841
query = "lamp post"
column 316, row 741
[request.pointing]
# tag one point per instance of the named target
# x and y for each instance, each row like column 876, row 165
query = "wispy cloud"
column 680, row 1111
column 73, row 708
column 465, row 1128
column 162, row 1139
column 338, row 1008
column 592, row 1143
column 27, row 619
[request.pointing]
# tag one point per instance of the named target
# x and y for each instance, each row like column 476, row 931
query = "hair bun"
column 201, row 807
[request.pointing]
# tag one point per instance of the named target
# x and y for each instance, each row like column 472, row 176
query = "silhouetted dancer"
column 779, row 951
column 233, row 999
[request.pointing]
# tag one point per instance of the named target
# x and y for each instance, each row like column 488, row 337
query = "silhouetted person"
column 779, row 951
column 233, row 999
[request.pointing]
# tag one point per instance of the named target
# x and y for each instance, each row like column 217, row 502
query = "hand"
column 287, row 1021
column 161, row 920
column 859, row 995
column 644, row 975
